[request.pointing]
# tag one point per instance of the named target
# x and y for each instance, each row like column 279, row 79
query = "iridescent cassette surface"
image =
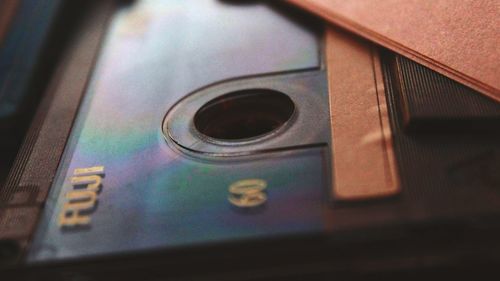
column 123, row 185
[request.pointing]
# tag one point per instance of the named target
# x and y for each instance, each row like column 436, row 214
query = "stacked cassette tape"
column 246, row 140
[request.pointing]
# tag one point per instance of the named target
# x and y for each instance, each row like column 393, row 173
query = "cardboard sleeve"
column 459, row 39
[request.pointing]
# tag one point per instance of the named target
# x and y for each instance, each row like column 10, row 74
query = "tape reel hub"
column 244, row 114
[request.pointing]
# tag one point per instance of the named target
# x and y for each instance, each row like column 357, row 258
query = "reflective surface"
column 152, row 195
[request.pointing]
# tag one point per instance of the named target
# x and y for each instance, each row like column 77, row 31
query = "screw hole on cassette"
column 9, row 251
column 244, row 114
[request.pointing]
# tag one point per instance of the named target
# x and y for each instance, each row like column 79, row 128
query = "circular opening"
column 244, row 114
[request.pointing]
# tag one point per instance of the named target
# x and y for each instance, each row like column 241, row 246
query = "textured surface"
column 25, row 191
column 444, row 175
column 433, row 102
column 459, row 39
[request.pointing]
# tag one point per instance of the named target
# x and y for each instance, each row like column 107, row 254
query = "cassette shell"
column 307, row 124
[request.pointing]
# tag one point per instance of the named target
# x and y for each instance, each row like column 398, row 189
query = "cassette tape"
column 244, row 140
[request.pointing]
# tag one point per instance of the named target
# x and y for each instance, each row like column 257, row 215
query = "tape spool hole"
column 244, row 114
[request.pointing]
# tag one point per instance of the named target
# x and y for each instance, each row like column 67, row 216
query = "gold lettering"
column 92, row 182
column 96, row 170
column 82, row 200
column 79, row 202
column 247, row 193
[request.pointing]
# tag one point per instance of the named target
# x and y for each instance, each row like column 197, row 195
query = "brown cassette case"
column 459, row 39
